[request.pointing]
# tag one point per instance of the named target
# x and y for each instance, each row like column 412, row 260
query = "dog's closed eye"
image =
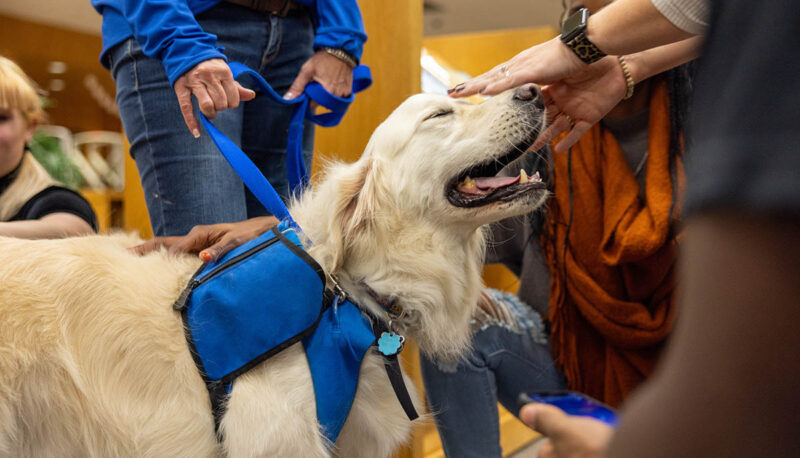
column 439, row 114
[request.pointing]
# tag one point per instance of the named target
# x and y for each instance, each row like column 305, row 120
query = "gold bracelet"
column 342, row 55
column 628, row 78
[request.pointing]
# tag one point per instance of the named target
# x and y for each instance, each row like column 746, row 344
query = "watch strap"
column 584, row 49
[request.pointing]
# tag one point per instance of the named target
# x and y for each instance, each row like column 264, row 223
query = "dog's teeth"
column 468, row 183
column 536, row 177
column 523, row 177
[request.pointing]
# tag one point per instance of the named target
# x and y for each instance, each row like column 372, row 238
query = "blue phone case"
column 573, row 403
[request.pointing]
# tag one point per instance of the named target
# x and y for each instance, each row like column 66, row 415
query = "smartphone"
column 573, row 403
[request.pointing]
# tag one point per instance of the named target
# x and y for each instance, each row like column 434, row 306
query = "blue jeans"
column 510, row 355
column 187, row 181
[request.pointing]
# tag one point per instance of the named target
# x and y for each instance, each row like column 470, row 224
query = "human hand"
column 211, row 242
column 333, row 74
column 544, row 63
column 566, row 435
column 580, row 101
column 211, row 81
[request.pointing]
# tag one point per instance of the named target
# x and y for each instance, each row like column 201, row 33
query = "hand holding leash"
column 212, row 83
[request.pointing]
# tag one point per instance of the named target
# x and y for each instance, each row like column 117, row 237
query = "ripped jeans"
column 510, row 354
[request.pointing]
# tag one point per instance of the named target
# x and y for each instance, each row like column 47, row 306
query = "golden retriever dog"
column 94, row 361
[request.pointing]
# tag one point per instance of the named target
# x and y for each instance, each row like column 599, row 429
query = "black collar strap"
column 389, row 305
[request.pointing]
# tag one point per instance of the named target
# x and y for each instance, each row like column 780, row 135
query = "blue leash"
column 296, row 169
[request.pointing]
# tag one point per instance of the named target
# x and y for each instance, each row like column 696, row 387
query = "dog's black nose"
column 529, row 93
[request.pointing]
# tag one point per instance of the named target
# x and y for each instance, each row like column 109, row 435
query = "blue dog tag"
column 390, row 343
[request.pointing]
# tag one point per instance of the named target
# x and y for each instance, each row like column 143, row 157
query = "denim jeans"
column 509, row 355
column 187, row 181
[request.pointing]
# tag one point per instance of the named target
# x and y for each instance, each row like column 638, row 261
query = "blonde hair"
column 18, row 91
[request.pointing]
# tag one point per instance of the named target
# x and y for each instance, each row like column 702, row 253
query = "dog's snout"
column 529, row 93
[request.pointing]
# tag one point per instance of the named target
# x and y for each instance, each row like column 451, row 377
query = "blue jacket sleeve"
column 339, row 25
column 167, row 30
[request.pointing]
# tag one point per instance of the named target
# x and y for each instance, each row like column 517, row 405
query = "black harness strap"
column 399, row 386
column 394, row 372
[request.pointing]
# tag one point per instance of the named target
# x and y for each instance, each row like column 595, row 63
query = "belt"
column 280, row 8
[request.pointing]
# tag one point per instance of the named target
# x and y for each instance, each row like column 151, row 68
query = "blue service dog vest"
column 269, row 293
column 261, row 298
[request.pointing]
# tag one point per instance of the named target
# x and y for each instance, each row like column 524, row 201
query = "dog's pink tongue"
column 485, row 183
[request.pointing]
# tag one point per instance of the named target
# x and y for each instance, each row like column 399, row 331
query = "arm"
column 727, row 386
column 623, row 27
column 580, row 101
column 52, row 226
column 167, row 30
column 338, row 25
column 211, row 242
column 629, row 26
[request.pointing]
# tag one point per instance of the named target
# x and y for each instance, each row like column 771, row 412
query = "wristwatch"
column 573, row 34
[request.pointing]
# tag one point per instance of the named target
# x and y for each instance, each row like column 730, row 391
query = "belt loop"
column 283, row 10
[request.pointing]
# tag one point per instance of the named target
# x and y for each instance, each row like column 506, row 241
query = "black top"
column 745, row 126
column 56, row 199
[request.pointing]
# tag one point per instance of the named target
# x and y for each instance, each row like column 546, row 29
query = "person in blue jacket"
column 163, row 52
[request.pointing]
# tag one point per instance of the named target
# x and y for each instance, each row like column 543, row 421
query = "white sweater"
column 688, row 15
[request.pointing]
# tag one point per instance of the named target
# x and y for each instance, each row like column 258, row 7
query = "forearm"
column 631, row 26
column 727, row 386
column 53, row 226
column 651, row 62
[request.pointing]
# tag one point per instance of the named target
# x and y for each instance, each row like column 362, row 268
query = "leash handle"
column 295, row 166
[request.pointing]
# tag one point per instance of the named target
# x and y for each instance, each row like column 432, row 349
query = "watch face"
column 574, row 24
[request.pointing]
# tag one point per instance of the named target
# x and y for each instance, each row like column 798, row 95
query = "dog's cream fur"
column 94, row 362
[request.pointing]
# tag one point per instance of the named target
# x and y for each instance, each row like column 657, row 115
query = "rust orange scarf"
column 612, row 274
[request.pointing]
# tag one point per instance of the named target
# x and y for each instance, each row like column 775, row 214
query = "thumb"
column 299, row 85
column 244, row 93
column 543, row 418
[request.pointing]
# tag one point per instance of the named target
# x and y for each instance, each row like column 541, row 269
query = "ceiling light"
column 56, row 67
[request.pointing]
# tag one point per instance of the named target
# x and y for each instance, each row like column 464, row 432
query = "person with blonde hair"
column 32, row 204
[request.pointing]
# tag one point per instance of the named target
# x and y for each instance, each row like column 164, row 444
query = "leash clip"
column 337, row 289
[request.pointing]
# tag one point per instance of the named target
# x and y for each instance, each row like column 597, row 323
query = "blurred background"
column 413, row 46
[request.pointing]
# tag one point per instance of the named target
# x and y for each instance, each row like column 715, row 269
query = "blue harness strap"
column 334, row 352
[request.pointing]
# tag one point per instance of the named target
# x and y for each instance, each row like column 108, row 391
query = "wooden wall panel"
column 475, row 53
column 33, row 45
column 392, row 52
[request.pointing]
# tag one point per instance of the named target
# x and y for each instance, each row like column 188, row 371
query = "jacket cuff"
column 345, row 39
column 176, row 68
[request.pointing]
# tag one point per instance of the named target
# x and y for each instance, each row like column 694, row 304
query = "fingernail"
column 288, row 96
column 205, row 256
column 196, row 133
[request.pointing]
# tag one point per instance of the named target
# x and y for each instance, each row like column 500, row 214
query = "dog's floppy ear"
column 353, row 208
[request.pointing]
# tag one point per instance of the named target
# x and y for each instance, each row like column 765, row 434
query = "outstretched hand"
column 578, row 102
column 211, row 242
column 567, row 436
column 542, row 64
column 212, row 83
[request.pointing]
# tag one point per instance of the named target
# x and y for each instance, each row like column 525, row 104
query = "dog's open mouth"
column 480, row 185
